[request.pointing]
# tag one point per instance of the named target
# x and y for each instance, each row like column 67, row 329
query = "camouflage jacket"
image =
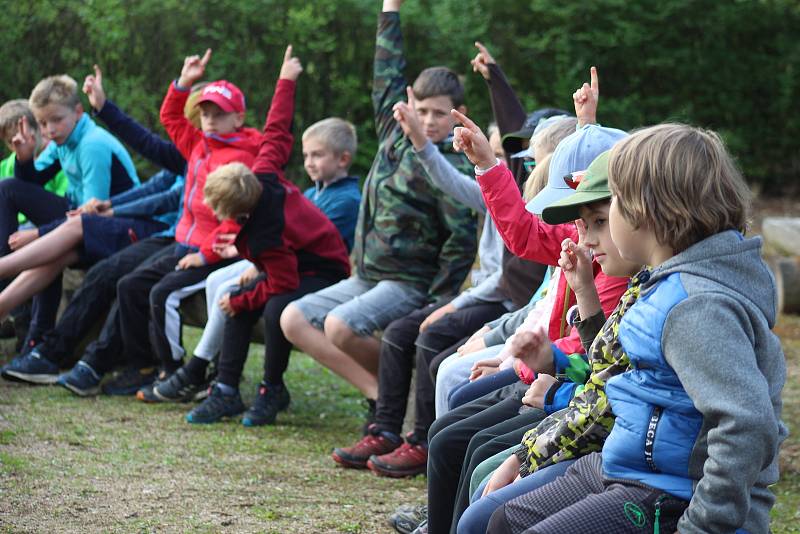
column 584, row 425
column 407, row 229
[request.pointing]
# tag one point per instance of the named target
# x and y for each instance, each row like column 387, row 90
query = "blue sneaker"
column 31, row 368
column 82, row 380
column 216, row 406
column 130, row 380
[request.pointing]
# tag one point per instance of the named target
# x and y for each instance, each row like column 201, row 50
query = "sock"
column 226, row 389
column 196, row 368
column 272, row 384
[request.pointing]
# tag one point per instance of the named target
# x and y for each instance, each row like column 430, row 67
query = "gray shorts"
column 364, row 306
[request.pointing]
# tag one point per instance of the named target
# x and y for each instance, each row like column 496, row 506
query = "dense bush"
column 732, row 65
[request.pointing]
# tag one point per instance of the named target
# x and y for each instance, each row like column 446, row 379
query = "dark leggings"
column 236, row 336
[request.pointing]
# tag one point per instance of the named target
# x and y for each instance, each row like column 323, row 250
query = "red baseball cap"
column 224, row 94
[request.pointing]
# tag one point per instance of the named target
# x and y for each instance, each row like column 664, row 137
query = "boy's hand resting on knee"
column 484, row 368
column 225, row 305
column 436, row 315
column 474, row 343
column 534, row 397
column 291, row 68
column 470, row 140
column 248, row 276
column 534, row 349
column 504, row 475
column 20, row 238
column 190, row 261
column 93, row 87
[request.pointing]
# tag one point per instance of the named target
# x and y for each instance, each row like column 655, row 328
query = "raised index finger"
column 288, row 54
column 98, row 74
column 412, row 103
column 206, row 57
column 595, row 83
column 581, row 226
column 481, row 48
column 463, row 119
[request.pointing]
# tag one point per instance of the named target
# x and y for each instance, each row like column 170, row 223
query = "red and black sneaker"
column 410, row 459
column 375, row 442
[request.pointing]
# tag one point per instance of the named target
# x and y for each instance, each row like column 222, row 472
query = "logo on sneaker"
column 634, row 514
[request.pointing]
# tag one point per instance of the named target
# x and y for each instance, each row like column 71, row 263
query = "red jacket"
column 530, row 238
column 197, row 225
column 286, row 235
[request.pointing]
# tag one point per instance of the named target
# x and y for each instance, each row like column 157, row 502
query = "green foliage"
column 733, row 66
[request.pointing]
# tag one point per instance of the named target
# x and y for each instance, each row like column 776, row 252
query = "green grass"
column 116, row 465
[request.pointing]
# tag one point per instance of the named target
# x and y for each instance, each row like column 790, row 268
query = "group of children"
column 610, row 369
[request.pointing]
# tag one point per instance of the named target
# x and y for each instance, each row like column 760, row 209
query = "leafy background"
column 733, row 65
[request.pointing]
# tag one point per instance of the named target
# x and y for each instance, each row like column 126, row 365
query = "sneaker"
column 129, row 381
column 410, row 459
column 375, row 442
column 82, row 380
column 269, row 401
column 33, row 368
column 406, row 518
column 422, row 528
column 146, row 394
column 216, row 406
column 178, row 388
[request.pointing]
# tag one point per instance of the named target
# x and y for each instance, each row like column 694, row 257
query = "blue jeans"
column 476, row 517
column 469, row 391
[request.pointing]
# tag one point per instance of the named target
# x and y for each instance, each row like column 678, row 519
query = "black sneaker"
column 269, row 401
column 129, row 381
column 406, row 518
column 216, row 406
column 32, row 368
column 180, row 387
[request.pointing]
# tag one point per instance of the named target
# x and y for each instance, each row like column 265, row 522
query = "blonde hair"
column 337, row 134
column 537, row 179
column 191, row 110
column 547, row 140
column 232, row 190
column 680, row 182
column 10, row 114
column 60, row 89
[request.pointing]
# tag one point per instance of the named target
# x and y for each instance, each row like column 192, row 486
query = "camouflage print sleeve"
column 388, row 83
column 458, row 252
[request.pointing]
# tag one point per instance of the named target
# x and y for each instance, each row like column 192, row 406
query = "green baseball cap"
column 593, row 187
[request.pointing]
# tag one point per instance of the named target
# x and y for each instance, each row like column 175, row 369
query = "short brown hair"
column 336, row 134
column 546, row 141
column 680, row 182
column 10, row 114
column 232, row 190
column 439, row 81
column 60, row 89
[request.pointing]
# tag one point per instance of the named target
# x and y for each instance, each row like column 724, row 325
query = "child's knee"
column 292, row 321
column 337, row 331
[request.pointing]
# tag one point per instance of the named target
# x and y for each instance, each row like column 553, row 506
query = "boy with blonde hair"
column 698, row 423
column 95, row 163
column 298, row 250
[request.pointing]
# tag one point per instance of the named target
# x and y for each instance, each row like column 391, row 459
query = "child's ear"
column 239, row 119
column 345, row 159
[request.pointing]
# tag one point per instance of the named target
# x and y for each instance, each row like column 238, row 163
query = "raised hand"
column 482, row 60
column 93, row 87
column 470, row 140
column 193, row 69
column 24, row 142
column 406, row 116
column 576, row 261
column 291, row 67
column 585, row 100
column 534, row 349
